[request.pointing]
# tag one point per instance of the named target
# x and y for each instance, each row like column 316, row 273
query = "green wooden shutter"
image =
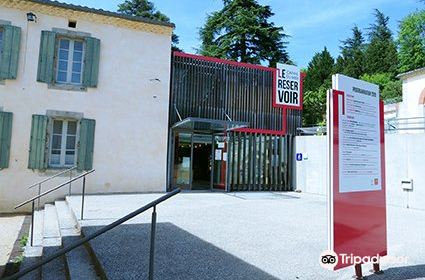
column 86, row 144
column 38, row 143
column 5, row 136
column 10, row 54
column 46, row 58
column 91, row 62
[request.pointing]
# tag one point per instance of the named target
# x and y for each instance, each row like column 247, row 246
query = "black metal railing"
column 118, row 222
column 37, row 197
column 52, row 177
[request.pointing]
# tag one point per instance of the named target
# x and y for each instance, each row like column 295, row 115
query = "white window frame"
column 70, row 60
column 64, row 135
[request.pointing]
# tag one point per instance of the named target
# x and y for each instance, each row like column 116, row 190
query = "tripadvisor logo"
column 328, row 259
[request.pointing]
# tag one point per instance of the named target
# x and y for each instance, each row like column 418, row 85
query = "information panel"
column 357, row 201
column 359, row 135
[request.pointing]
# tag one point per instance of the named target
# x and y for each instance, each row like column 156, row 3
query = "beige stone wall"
column 130, row 106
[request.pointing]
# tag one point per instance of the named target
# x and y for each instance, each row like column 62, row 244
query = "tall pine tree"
column 381, row 53
column 351, row 61
column 242, row 31
column 319, row 69
column 146, row 9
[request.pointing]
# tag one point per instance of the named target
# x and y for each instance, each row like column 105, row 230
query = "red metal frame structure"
column 359, row 218
column 258, row 67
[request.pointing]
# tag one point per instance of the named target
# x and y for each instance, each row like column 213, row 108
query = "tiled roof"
column 101, row 12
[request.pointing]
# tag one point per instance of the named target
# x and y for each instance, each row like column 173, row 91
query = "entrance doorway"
column 198, row 161
column 201, row 167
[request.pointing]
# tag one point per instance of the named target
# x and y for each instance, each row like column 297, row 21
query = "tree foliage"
column 381, row 53
column 146, row 9
column 319, row 69
column 316, row 83
column 351, row 61
column 389, row 88
column 411, row 42
column 242, row 31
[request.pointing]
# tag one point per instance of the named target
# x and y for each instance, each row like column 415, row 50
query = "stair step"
column 79, row 262
column 67, row 223
column 38, row 232
column 51, row 234
column 55, row 269
column 33, row 275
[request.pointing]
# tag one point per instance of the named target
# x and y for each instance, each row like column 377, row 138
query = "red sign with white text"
column 357, row 202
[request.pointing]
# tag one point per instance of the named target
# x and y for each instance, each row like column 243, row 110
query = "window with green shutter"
column 68, row 60
column 5, row 137
column 61, row 142
column 10, row 41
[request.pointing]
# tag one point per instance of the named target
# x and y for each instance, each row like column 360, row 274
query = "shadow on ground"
column 400, row 273
column 124, row 254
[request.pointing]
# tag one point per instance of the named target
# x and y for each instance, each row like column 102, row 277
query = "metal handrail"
column 83, row 175
column 51, row 177
column 53, row 189
column 103, row 230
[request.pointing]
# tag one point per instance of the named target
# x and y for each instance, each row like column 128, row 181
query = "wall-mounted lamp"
column 31, row 17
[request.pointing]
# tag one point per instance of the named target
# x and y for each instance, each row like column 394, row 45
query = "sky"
column 312, row 24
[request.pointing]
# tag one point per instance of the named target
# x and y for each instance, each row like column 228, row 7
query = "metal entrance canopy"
column 209, row 124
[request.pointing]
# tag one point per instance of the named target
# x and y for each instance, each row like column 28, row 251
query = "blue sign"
column 299, row 156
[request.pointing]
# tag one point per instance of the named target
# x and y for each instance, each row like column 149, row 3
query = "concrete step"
column 79, row 262
column 33, row 275
column 51, row 232
column 56, row 269
column 67, row 222
column 38, row 233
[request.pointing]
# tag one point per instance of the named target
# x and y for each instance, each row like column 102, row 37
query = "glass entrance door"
column 220, row 161
column 201, row 161
column 182, row 160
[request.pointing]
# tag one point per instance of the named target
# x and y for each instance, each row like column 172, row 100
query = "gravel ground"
column 279, row 234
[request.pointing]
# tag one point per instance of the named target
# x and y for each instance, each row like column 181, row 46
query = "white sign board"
column 288, row 83
column 218, row 154
column 359, row 135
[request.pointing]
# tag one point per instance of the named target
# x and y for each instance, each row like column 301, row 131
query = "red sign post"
column 357, row 203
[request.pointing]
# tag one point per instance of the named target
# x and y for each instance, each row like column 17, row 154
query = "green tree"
column 351, row 61
column 314, row 106
column 242, row 31
column 411, row 42
column 381, row 53
column 389, row 88
column 319, row 69
column 316, row 83
column 146, row 9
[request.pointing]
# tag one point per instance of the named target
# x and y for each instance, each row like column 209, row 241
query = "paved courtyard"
column 280, row 234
